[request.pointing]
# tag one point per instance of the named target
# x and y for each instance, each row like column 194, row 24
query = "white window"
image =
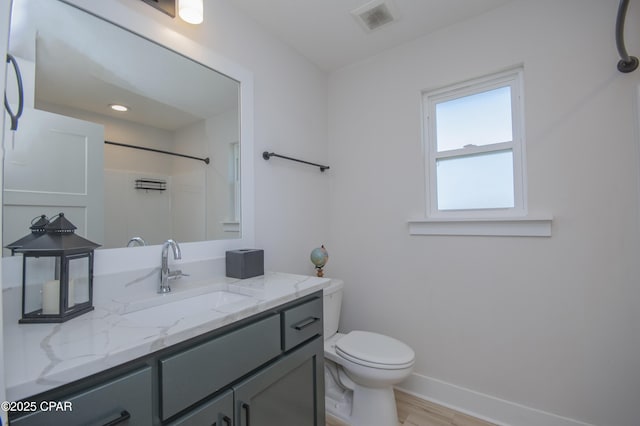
column 475, row 148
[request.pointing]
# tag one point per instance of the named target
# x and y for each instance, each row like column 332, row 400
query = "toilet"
column 361, row 368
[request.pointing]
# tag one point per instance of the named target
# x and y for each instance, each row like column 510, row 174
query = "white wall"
column 189, row 182
column 553, row 323
column 130, row 212
column 223, row 131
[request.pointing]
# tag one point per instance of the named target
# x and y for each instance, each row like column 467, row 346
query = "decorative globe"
column 319, row 256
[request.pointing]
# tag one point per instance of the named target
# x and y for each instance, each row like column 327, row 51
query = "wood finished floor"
column 414, row 411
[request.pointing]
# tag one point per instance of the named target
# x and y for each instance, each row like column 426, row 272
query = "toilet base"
column 338, row 400
column 383, row 399
column 355, row 407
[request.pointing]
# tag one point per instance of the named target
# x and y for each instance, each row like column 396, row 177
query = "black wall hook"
column 627, row 63
column 15, row 116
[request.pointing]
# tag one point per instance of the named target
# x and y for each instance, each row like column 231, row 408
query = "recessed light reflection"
column 119, row 108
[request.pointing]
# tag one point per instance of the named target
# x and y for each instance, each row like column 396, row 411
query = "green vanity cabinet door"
column 124, row 401
column 217, row 412
column 288, row 392
column 192, row 375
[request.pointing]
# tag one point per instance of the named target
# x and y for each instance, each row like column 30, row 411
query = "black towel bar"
column 266, row 155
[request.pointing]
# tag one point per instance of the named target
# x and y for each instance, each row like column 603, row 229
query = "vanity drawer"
column 195, row 373
column 127, row 399
column 301, row 323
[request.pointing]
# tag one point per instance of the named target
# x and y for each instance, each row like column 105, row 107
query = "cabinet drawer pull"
column 227, row 420
column 124, row 416
column 247, row 410
column 305, row 323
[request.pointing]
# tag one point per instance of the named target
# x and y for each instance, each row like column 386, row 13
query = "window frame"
column 512, row 78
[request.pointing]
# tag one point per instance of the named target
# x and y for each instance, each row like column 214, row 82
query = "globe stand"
column 319, row 271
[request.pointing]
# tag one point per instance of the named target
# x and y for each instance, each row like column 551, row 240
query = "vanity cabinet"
column 261, row 371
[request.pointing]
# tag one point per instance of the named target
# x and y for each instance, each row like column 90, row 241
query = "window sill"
column 530, row 226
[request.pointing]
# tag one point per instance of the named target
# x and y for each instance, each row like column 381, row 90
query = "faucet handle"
column 136, row 241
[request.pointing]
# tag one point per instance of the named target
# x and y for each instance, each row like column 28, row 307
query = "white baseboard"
column 482, row 406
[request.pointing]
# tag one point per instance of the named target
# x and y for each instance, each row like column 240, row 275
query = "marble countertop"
column 39, row 357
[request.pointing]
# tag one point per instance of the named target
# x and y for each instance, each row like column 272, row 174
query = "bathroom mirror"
column 72, row 153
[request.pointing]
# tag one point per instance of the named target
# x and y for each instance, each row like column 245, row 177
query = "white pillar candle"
column 71, row 297
column 51, row 297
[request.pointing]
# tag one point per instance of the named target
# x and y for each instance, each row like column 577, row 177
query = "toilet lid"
column 372, row 348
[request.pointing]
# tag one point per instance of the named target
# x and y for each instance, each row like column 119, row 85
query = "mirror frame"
column 141, row 20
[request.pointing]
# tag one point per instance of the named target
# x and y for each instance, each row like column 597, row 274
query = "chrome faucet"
column 165, row 273
column 136, row 241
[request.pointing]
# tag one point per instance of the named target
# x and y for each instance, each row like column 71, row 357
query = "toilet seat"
column 375, row 350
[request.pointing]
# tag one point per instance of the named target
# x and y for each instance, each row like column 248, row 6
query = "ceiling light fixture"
column 119, row 108
column 191, row 11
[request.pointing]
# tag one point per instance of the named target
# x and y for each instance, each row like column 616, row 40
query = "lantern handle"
column 35, row 219
column 56, row 216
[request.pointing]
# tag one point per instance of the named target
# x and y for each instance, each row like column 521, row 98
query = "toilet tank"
column 331, row 308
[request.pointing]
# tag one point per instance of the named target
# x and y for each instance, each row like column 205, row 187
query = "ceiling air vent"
column 375, row 14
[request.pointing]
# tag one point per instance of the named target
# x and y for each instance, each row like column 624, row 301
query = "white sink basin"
column 172, row 311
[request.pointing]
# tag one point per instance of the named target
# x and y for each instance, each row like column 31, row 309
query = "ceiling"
column 326, row 33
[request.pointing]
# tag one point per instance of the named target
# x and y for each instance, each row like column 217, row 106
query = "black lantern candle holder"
column 57, row 274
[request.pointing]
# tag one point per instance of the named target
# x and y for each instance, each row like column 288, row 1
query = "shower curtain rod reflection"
column 144, row 148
